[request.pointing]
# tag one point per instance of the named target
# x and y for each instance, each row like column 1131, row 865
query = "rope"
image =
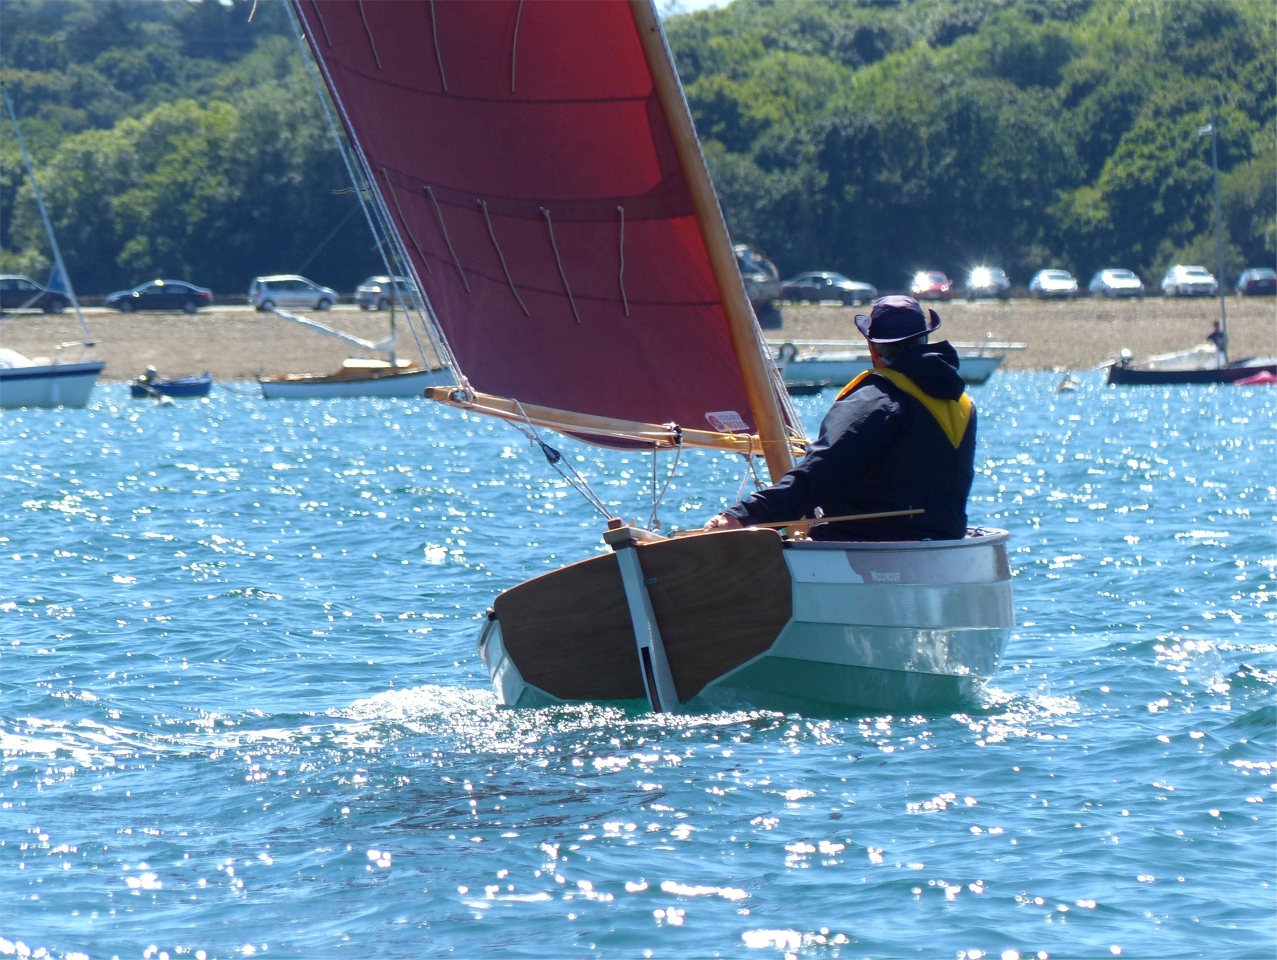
column 376, row 213
column 546, row 213
column 242, row 393
column 323, row 26
column 372, row 43
column 758, row 485
column 624, row 298
column 654, row 522
column 488, row 220
column 434, row 30
column 444, row 227
column 514, row 47
column 402, row 219
column 555, row 459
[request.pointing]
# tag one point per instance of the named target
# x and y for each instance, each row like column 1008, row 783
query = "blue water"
column 241, row 712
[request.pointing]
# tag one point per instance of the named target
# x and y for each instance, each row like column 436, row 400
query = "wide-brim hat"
column 896, row 318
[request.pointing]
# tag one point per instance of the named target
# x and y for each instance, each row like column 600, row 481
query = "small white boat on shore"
column 45, row 383
column 832, row 363
column 356, row 378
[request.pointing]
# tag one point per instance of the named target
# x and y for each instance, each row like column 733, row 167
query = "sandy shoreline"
column 238, row 345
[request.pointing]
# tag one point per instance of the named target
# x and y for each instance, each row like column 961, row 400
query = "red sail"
column 525, row 159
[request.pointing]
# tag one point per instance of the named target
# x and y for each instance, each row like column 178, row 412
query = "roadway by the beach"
column 237, row 343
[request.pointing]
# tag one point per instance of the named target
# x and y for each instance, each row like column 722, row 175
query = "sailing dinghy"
column 538, row 174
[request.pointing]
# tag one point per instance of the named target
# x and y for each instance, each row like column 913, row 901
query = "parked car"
column 1052, row 283
column 161, row 295
column 1115, row 282
column 762, row 284
column 820, row 285
column 289, row 290
column 1182, row 281
column 1257, row 282
column 931, row 285
column 376, row 293
column 988, row 282
column 23, row 293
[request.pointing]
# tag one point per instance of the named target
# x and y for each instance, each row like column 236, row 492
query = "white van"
column 287, row 290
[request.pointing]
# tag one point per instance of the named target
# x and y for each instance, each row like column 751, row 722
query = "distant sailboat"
column 358, row 376
column 538, row 169
column 44, row 382
column 833, row 363
column 1207, row 362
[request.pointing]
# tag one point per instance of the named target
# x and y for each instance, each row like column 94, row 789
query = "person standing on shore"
column 900, row 436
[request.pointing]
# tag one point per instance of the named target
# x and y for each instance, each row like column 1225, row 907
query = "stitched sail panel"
column 581, row 133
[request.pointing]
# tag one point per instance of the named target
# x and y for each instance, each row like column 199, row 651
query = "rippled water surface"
column 241, row 712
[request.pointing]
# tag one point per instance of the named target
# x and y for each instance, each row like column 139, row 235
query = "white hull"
column 837, row 369
column 48, row 384
column 892, row 627
column 407, row 384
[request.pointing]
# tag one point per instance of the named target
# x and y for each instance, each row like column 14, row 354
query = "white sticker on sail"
column 726, row 421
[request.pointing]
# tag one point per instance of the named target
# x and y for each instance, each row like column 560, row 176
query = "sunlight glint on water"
column 240, row 710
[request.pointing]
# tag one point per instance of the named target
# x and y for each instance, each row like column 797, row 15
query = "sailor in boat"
column 1219, row 338
column 900, row 436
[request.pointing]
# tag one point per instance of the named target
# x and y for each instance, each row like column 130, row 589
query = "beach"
column 239, row 344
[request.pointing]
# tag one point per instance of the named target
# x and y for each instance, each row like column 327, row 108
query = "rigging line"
column 371, row 42
column 444, row 227
column 514, row 47
column 488, row 220
column 375, row 214
column 434, row 30
column 624, row 299
column 554, row 458
column 404, row 220
column 323, row 26
column 654, row 522
column 546, row 213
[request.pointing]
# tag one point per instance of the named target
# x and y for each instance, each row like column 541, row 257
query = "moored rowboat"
column 27, row 383
column 356, row 378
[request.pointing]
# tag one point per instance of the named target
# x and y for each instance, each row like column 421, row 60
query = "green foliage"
column 170, row 140
column 875, row 138
column 957, row 131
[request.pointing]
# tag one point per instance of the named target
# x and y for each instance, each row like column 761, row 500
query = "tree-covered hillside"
column 878, row 138
column 171, row 139
column 179, row 139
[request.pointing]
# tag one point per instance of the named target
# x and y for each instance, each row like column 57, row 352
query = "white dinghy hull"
column 909, row 627
column 894, row 627
column 48, row 384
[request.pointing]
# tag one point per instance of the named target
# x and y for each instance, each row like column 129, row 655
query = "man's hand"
column 724, row 521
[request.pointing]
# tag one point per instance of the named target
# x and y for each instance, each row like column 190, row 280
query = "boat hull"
column 837, row 370
column 391, row 383
column 900, row 627
column 49, row 385
column 1130, row 375
column 180, row 387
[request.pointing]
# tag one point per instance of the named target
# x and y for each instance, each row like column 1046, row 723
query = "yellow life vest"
column 952, row 415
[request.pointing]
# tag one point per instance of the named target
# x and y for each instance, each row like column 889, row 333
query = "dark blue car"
column 162, row 295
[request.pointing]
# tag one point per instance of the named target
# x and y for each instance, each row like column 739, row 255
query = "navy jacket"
column 881, row 449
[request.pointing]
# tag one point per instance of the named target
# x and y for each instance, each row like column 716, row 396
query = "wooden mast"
column 740, row 316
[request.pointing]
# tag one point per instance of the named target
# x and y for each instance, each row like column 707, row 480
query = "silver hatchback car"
column 288, row 290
